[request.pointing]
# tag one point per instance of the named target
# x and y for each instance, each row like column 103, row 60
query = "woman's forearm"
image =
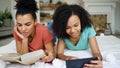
column 62, row 57
column 53, row 54
column 23, row 48
column 97, row 55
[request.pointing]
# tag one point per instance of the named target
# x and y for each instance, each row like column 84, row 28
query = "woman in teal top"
column 82, row 43
column 73, row 27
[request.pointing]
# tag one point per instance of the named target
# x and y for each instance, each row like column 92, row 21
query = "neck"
column 74, row 40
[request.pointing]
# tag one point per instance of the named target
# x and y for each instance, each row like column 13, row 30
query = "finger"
column 15, row 28
column 46, row 51
column 94, row 61
column 73, row 58
column 99, row 58
column 90, row 66
column 17, row 32
column 99, row 65
column 20, row 35
column 97, row 62
column 50, row 58
column 46, row 59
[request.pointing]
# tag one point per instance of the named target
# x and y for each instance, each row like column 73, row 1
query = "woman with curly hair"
column 29, row 34
column 73, row 27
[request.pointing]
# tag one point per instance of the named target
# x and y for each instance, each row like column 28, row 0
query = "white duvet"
column 109, row 47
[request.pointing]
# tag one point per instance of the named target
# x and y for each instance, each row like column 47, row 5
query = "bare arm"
column 60, row 51
column 22, row 46
column 95, row 48
column 49, row 47
column 96, row 53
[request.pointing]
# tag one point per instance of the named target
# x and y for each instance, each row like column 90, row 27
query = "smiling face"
column 25, row 24
column 73, row 28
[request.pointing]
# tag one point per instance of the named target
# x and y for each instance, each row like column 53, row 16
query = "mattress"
column 108, row 45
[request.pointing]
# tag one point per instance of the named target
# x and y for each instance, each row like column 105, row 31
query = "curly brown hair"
column 63, row 13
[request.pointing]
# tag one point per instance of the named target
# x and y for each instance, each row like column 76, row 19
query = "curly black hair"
column 25, row 7
column 63, row 13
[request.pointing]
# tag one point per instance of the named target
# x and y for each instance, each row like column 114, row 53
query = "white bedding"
column 109, row 47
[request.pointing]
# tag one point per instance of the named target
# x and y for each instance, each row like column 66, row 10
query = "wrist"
column 25, row 40
column 65, row 57
column 51, row 54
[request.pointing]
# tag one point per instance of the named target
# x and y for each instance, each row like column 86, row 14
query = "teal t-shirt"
column 83, row 42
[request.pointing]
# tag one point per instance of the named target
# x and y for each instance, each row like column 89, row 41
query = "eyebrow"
column 25, row 23
column 76, row 23
column 17, row 22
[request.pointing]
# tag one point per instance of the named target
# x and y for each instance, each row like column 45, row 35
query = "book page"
column 11, row 57
column 32, row 57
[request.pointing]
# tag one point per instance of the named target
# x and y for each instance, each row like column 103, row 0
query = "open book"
column 27, row 59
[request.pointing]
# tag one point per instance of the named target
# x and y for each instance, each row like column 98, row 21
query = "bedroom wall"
column 67, row 1
column 5, row 4
column 117, row 18
column 78, row 2
column 117, row 12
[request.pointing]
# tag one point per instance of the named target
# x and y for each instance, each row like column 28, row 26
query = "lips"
column 73, row 34
column 25, row 33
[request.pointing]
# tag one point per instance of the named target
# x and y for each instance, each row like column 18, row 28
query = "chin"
column 75, row 36
column 26, row 36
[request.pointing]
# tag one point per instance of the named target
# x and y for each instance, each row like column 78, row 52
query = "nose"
column 72, row 30
column 23, row 28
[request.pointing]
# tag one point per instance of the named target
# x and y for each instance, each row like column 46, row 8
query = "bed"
column 108, row 45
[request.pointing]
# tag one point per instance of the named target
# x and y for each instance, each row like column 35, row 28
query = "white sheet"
column 109, row 47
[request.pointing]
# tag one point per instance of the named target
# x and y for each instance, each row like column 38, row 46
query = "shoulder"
column 42, row 30
column 40, row 27
column 65, row 40
column 88, row 29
